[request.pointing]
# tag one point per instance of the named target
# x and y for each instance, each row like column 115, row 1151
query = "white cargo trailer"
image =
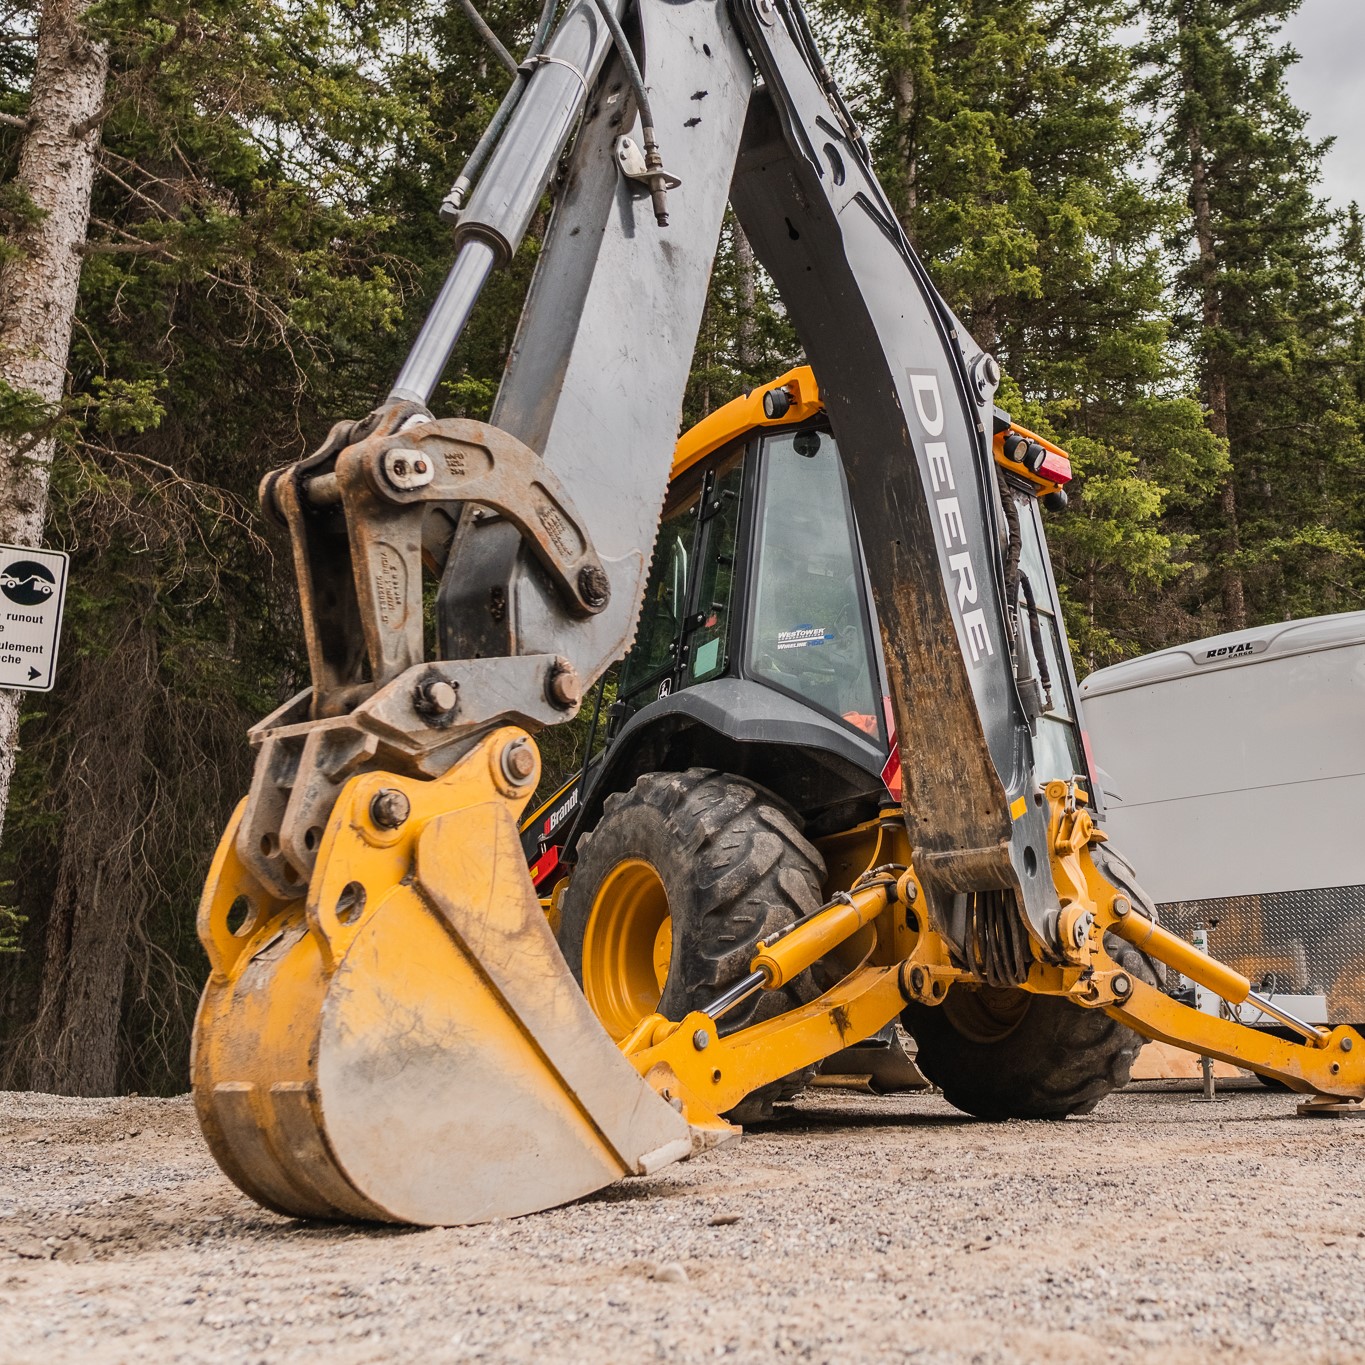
column 1234, row 780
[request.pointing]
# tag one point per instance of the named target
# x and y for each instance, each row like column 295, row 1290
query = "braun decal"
column 1237, row 651
column 929, row 407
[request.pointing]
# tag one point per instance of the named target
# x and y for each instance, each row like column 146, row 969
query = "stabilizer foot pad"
column 1328, row 1108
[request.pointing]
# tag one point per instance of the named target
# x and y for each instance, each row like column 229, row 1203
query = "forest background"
column 1118, row 197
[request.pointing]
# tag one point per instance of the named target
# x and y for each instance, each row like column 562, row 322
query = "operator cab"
column 757, row 650
column 776, row 596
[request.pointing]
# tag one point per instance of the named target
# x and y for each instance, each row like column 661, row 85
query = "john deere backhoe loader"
column 390, row 1030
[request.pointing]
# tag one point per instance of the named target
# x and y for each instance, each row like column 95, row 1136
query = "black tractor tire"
column 735, row 868
column 1009, row 1054
column 1289, row 1036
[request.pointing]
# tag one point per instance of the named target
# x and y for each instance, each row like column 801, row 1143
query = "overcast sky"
column 1329, row 82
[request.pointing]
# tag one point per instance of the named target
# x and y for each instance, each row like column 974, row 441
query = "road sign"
column 32, row 591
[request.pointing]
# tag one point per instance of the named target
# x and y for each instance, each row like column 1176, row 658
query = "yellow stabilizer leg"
column 406, row 1042
column 1336, row 1068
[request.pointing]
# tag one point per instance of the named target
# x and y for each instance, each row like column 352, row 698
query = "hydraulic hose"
column 489, row 37
column 654, row 164
column 633, row 73
column 521, row 76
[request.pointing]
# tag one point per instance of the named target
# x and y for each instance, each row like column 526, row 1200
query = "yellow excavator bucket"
column 405, row 1043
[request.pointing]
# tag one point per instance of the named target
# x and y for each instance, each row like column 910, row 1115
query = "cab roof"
column 747, row 413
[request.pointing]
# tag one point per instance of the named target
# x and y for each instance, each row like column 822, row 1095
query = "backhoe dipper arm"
column 910, row 398
column 595, row 382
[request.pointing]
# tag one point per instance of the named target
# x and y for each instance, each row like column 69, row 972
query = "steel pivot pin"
column 389, row 808
column 518, row 762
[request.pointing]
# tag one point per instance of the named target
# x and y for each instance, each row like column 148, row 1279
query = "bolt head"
column 701, row 1040
column 1122, row 906
column 400, row 466
column 594, row 586
column 1347, row 1044
column 439, row 696
column 437, row 700
column 518, row 762
column 986, row 376
column 564, row 688
column 389, row 808
column 1122, row 985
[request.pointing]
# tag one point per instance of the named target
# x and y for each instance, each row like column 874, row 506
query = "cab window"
column 1056, row 746
column 710, row 624
column 808, row 634
column 665, row 601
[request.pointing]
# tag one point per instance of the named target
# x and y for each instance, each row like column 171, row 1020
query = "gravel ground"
column 857, row 1229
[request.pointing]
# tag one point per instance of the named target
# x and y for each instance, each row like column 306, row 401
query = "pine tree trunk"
column 103, row 889
column 985, row 332
column 38, row 284
column 746, row 349
column 903, row 104
column 1215, row 378
column 1216, row 383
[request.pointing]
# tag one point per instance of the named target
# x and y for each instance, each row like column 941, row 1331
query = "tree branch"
column 125, row 249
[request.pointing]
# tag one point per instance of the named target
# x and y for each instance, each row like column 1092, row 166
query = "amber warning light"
column 1037, row 456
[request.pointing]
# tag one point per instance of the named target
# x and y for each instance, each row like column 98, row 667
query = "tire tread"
column 737, row 868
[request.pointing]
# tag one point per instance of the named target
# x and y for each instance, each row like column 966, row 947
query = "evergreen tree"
column 1005, row 136
column 239, row 291
column 1353, row 285
column 746, row 338
column 1262, row 311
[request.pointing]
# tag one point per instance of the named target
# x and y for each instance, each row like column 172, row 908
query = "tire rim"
column 627, row 947
column 988, row 1014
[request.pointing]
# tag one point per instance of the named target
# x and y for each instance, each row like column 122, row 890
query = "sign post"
column 32, row 593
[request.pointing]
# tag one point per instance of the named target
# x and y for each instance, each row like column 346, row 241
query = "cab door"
column 684, row 632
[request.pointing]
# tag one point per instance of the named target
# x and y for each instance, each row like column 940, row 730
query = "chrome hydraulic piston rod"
column 500, row 209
